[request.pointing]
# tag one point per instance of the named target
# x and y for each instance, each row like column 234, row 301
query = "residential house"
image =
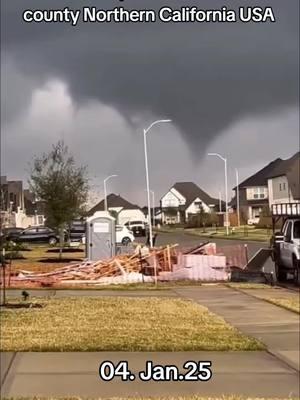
column 253, row 193
column 183, row 200
column 157, row 214
column 16, row 206
column 11, row 196
column 284, row 181
column 35, row 209
column 123, row 209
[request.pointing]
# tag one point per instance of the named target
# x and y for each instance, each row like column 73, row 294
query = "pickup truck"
column 286, row 242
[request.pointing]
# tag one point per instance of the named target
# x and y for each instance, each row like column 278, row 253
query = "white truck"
column 286, row 242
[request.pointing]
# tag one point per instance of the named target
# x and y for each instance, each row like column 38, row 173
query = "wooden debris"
column 157, row 260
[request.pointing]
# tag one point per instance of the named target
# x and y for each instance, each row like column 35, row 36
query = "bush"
column 202, row 220
column 12, row 246
column 14, row 255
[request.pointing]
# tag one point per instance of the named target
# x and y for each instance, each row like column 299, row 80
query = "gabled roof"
column 260, row 178
column 190, row 191
column 291, row 169
column 284, row 166
column 113, row 201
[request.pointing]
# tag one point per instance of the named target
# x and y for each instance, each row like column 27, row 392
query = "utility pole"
column 237, row 197
column 147, row 175
column 105, row 192
column 226, row 188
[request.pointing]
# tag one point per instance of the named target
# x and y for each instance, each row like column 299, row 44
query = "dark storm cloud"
column 203, row 76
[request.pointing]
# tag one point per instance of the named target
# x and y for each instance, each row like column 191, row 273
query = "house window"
column 280, row 187
column 259, row 193
column 198, row 205
column 283, row 186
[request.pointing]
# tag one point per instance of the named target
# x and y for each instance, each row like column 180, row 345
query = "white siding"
column 131, row 215
column 172, row 199
column 194, row 208
column 257, row 193
column 279, row 191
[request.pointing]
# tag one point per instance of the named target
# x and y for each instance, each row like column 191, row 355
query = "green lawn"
column 243, row 233
column 118, row 324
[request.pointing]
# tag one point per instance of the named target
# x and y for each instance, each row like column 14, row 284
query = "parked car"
column 286, row 243
column 7, row 233
column 287, row 258
column 124, row 235
column 139, row 228
column 76, row 231
column 253, row 221
column 40, row 234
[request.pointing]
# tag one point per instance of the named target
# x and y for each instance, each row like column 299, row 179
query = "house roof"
column 291, row 169
column 113, row 201
column 190, row 191
column 260, row 178
column 284, row 166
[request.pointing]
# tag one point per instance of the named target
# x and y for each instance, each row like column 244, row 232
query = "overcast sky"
column 229, row 88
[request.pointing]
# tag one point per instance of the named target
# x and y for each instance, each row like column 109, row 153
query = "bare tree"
column 61, row 185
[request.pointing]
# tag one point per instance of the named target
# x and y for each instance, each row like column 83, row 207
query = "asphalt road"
column 186, row 240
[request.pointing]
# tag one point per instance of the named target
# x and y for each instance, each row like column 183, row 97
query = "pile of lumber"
column 149, row 262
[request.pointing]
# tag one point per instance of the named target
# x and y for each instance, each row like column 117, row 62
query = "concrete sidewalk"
column 266, row 374
column 76, row 374
column 276, row 327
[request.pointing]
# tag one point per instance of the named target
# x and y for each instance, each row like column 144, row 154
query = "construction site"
column 205, row 263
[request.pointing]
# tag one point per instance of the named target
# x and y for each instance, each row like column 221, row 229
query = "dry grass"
column 119, row 324
column 195, row 397
column 35, row 259
column 241, row 285
column 123, row 287
column 291, row 304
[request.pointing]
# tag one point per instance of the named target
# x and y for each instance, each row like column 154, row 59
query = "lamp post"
column 226, row 188
column 153, row 205
column 238, row 197
column 160, row 121
column 105, row 194
column 220, row 202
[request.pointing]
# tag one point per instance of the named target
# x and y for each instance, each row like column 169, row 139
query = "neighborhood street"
column 187, row 240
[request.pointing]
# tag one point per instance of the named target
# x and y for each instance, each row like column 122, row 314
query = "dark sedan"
column 7, row 233
column 40, row 234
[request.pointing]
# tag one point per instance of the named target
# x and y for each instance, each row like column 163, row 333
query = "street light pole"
column 226, row 188
column 153, row 207
column 147, row 175
column 238, row 197
column 105, row 193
